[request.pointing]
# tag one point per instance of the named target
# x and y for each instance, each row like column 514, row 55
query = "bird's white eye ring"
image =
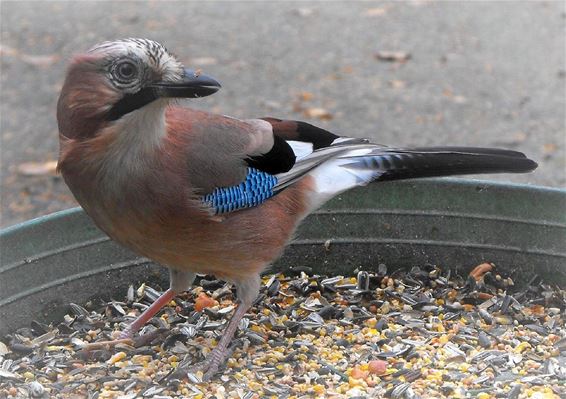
column 125, row 72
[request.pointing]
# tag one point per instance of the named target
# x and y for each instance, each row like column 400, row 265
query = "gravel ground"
column 477, row 73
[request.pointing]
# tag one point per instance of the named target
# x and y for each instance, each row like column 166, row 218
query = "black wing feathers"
column 320, row 138
column 279, row 159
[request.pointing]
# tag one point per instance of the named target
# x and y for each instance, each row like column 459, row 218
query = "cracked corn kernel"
column 522, row 347
column 319, row 389
column 116, row 357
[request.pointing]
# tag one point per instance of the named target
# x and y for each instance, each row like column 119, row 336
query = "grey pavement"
column 479, row 73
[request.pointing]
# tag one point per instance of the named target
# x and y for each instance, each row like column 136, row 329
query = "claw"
column 208, row 367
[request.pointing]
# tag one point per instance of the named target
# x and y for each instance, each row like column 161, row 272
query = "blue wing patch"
column 256, row 189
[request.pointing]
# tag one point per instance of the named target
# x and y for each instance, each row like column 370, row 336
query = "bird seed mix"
column 419, row 333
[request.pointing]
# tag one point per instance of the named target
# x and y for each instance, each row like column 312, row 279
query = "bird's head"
column 114, row 79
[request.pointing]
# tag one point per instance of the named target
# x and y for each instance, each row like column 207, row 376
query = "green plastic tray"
column 60, row 258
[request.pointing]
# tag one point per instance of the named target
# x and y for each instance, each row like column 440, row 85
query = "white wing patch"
column 301, row 149
column 335, row 176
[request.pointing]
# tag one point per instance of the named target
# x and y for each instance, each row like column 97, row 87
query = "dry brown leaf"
column 460, row 99
column 398, row 84
column 319, row 113
column 298, row 107
column 393, row 56
column 306, row 96
column 37, row 168
column 347, row 69
column 39, row 60
column 36, row 60
column 375, row 12
column 549, row 148
column 520, row 137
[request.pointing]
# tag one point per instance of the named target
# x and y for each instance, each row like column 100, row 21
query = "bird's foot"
column 208, row 367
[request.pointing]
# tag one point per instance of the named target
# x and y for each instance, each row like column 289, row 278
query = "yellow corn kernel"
column 521, row 347
column 116, row 358
column 443, row 339
column 319, row 389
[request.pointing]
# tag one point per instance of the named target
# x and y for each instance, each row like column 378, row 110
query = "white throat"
column 142, row 130
column 132, row 154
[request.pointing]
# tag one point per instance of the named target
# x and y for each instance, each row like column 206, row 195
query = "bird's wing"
column 297, row 149
column 238, row 164
column 235, row 164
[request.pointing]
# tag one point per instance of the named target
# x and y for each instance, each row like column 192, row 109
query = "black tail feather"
column 396, row 164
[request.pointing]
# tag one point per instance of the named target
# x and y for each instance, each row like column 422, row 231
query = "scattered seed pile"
column 410, row 334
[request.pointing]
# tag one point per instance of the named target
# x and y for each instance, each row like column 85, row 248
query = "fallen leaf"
column 347, row 69
column 37, row 168
column 549, row 148
column 398, row 84
column 306, row 96
column 460, row 99
column 204, row 61
column 375, row 12
column 272, row 105
column 393, row 56
column 32, row 59
column 298, row 107
column 319, row 113
column 39, row 60
column 520, row 137
column 303, row 11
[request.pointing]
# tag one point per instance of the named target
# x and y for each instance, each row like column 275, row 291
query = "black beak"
column 193, row 84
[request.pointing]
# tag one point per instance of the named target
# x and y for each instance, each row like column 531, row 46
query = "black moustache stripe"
column 131, row 102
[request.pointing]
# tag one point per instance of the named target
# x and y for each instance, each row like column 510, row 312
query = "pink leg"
column 248, row 290
column 217, row 356
column 155, row 307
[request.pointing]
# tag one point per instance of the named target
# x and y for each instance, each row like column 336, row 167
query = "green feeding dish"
column 48, row 262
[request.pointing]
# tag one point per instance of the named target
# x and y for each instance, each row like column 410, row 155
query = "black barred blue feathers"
column 256, row 189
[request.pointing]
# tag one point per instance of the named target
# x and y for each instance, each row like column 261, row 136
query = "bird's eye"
column 125, row 72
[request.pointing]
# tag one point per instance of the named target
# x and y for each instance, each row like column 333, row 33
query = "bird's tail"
column 396, row 164
column 365, row 164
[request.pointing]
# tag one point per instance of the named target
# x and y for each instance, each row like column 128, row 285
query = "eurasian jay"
column 205, row 193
